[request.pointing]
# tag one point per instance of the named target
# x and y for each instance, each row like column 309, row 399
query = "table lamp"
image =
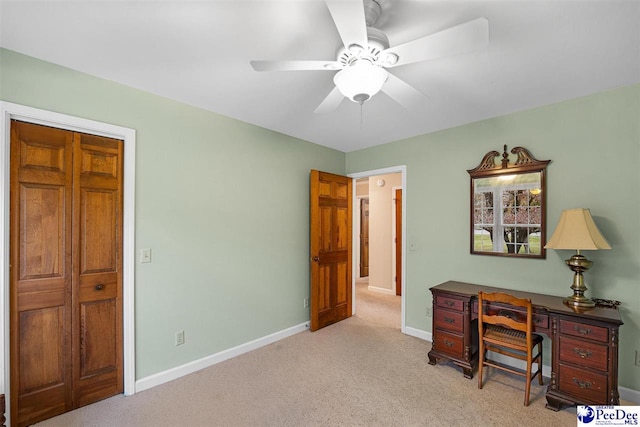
column 577, row 231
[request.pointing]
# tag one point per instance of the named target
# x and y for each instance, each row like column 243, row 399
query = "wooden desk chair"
column 507, row 331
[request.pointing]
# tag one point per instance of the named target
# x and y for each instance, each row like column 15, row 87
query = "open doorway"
column 378, row 273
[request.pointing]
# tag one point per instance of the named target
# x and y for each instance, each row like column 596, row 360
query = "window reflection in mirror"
column 508, row 205
column 507, row 214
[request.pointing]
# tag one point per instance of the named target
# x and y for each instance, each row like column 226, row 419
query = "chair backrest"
column 503, row 316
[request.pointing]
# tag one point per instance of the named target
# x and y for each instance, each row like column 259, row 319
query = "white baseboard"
column 418, row 333
column 381, row 290
column 627, row 394
column 205, row 362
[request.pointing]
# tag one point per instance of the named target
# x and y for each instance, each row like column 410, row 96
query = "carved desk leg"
column 553, row 403
column 614, row 398
column 432, row 360
column 469, row 342
column 467, row 372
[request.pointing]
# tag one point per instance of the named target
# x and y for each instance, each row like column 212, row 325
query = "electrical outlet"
column 179, row 337
column 637, row 357
column 305, row 303
column 428, row 311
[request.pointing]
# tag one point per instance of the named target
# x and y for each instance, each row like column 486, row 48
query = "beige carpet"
column 359, row 372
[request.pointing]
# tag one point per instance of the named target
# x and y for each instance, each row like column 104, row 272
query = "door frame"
column 9, row 111
column 402, row 169
column 394, row 220
column 357, row 223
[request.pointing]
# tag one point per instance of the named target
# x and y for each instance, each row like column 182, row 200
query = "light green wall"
column 594, row 145
column 222, row 204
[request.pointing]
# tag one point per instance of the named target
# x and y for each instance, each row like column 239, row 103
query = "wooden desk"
column 584, row 357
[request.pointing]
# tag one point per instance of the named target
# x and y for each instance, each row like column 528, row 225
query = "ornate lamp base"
column 579, row 264
column 579, row 301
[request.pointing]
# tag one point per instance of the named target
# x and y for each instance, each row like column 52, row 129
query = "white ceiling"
column 540, row 52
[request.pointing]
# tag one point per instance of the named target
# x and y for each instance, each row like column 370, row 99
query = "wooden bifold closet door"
column 66, row 270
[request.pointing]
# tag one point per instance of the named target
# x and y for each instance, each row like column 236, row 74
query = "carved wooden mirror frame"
column 508, row 205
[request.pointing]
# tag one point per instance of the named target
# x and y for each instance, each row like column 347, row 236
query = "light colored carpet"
column 360, row 372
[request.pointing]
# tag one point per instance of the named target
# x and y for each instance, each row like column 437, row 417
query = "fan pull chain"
column 361, row 104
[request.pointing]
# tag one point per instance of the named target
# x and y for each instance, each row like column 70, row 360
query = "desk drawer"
column 450, row 320
column 450, row 303
column 597, row 333
column 584, row 353
column 589, row 386
column 448, row 343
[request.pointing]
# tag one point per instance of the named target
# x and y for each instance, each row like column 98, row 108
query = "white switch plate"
column 179, row 337
column 145, row 255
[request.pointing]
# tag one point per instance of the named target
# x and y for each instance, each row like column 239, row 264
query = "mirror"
column 508, row 212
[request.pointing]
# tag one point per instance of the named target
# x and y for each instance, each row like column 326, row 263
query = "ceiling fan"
column 363, row 60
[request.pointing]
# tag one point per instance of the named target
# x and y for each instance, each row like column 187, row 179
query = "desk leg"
column 553, row 403
column 468, row 372
column 432, row 360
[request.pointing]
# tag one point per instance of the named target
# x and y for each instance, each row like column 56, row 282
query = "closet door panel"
column 99, row 248
column 98, row 268
column 40, row 273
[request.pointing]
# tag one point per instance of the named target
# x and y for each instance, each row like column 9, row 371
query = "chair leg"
column 481, row 352
column 528, row 385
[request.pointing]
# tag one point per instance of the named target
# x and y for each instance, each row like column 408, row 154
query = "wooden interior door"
column 398, row 225
column 40, row 272
column 364, row 237
column 330, row 248
column 97, row 269
column 66, row 264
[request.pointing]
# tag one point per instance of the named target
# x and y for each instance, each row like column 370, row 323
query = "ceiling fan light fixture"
column 360, row 81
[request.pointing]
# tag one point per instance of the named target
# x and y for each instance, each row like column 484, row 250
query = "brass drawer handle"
column 448, row 343
column 449, row 303
column 99, row 287
column 582, row 331
column 582, row 384
column 582, row 353
column 449, row 320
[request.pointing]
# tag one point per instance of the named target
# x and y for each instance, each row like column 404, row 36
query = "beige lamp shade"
column 577, row 231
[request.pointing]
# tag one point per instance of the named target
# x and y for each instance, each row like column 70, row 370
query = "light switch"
column 145, row 255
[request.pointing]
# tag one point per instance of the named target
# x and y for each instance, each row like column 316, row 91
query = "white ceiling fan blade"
column 348, row 16
column 403, row 93
column 462, row 38
column 295, row 65
column 331, row 102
